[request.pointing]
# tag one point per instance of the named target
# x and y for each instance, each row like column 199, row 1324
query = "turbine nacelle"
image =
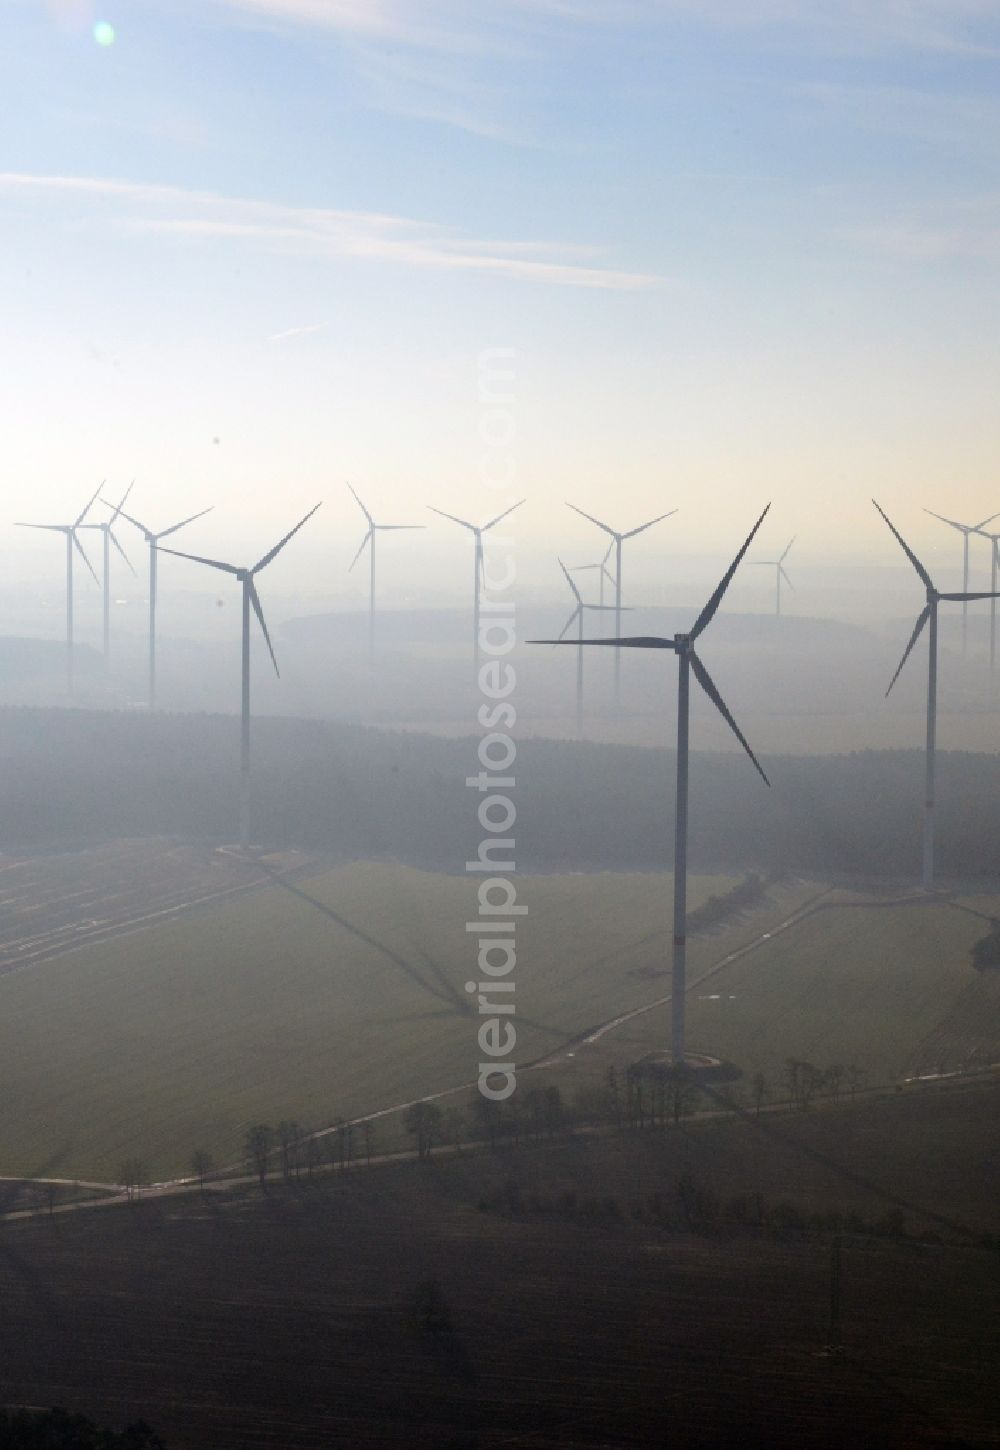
column 933, row 595
column 373, row 529
column 953, row 523
column 618, row 536
column 107, row 527
column 70, row 530
column 147, row 533
column 245, row 575
column 683, row 646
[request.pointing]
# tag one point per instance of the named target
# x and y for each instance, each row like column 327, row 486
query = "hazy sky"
column 743, row 249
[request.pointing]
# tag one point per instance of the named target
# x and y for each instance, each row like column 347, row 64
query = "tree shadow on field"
column 38, row 1289
column 439, row 987
column 430, row 1320
column 770, row 1129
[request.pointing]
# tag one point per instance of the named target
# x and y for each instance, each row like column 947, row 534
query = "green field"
column 345, row 994
column 342, row 995
column 888, row 988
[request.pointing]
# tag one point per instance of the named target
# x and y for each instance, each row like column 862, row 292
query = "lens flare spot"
column 104, row 32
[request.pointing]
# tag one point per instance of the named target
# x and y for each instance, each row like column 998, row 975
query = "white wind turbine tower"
column 965, row 530
column 72, row 542
column 682, row 645
column 778, row 565
column 929, row 613
column 603, row 572
column 151, row 540
column 369, row 539
column 251, row 600
column 477, row 530
column 108, row 537
column 577, row 618
column 617, row 540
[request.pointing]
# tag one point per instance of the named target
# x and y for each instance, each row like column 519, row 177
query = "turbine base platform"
column 698, row 1064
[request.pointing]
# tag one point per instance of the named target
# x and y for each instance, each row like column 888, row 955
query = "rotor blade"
column 174, row 527
column 361, row 505
column 255, row 601
column 118, row 508
column 86, row 509
column 643, row 527
column 360, row 551
column 52, row 528
column 111, row 536
column 977, row 527
column 502, row 516
column 960, row 527
column 610, row 608
column 608, row 552
column 399, row 526
column 705, row 681
column 572, row 620
column 198, row 559
column 790, row 543
column 282, row 542
column 642, row 641
column 129, row 519
column 464, row 522
column 962, row 597
column 906, row 548
column 593, row 520
column 922, row 619
column 80, row 549
column 579, row 568
column 706, row 615
column 784, row 576
column 569, row 581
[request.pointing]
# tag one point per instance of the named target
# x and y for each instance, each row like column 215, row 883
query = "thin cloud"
column 469, row 66
column 951, row 26
column 171, row 211
column 434, row 26
column 291, row 332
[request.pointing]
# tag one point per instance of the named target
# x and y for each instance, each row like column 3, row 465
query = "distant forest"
column 68, row 777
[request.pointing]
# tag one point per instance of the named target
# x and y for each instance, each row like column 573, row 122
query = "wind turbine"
column 369, row 538
column 778, row 565
column 965, row 530
column 72, row 542
column 617, row 540
column 108, row 537
column 251, row 600
column 928, row 613
column 151, row 540
column 577, row 618
column 688, row 663
column 603, row 572
column 477, row 531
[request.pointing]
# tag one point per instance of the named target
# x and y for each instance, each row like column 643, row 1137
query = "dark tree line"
column 60, row 1430
column 71, row 777
column 292, row 1151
